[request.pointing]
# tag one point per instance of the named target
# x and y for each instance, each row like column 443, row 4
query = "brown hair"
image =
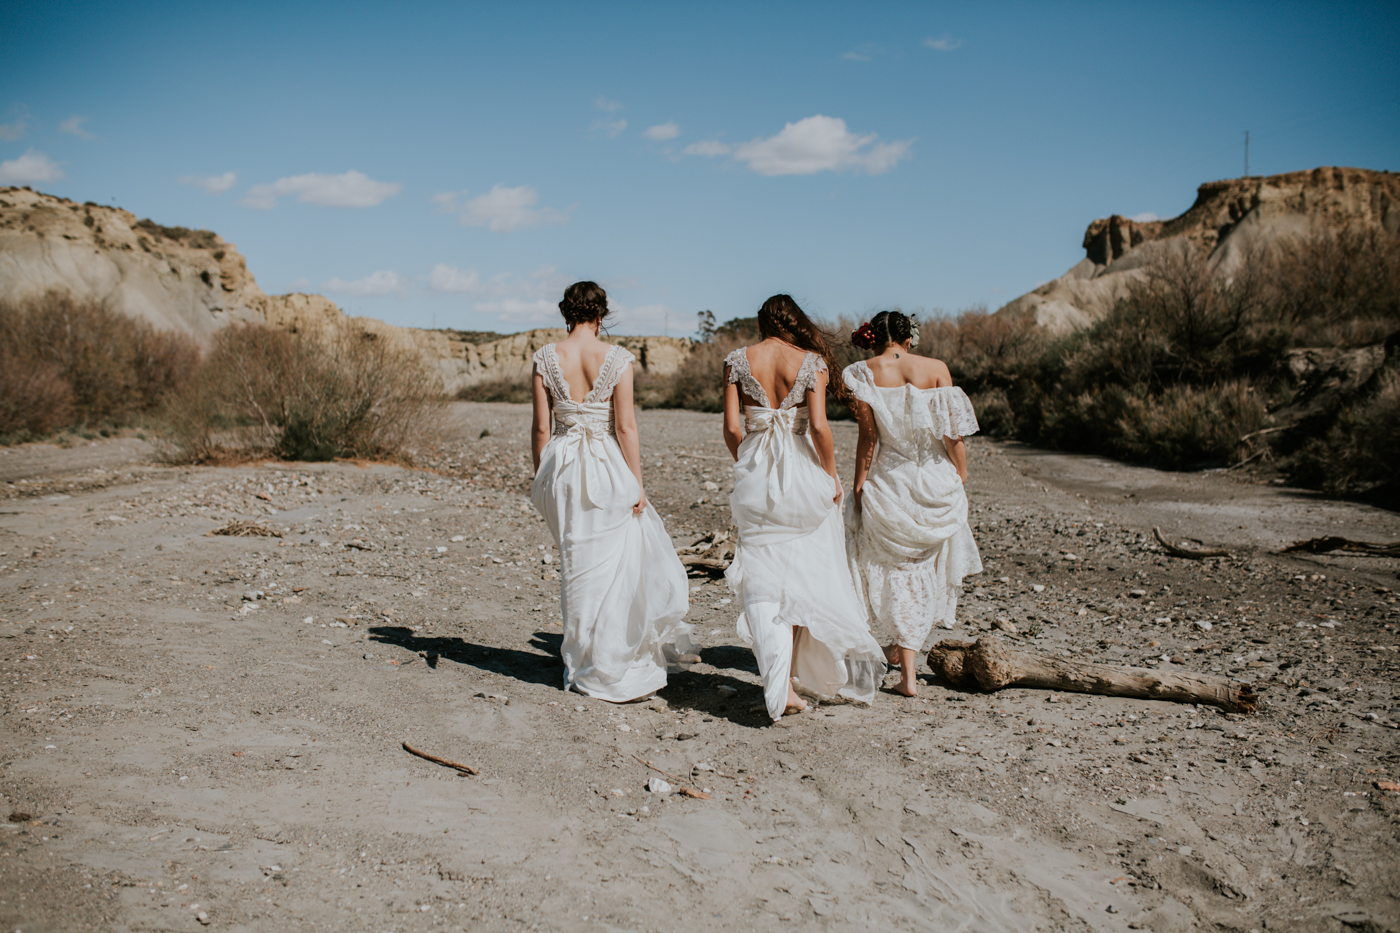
column 883, row 329
column 584, row 303
column 780, row 317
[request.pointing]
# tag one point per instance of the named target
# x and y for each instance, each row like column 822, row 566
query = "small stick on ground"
column 465, row 769
column 1189, row 553
column 989, row 664
column 680, row 787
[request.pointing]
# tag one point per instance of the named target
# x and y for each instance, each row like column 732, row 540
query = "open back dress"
column 790, row 565
column 623, row 591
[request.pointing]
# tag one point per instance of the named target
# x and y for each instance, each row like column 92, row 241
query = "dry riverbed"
column 205, row 731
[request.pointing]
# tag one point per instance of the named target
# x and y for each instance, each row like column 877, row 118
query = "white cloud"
column 453, row 281
column 944, row 43
column 609, row 128
column 300, row 285
column 10, row 132
column 521, row 301
column 376, row 283
column 1145, row 217
column 602, row 103
column 214, row 184
column 74, row 126
column 353, row 189
column 820, row 144
column 500, row 209
column 861, row 53
column 31, row 168
column 707, row 147
column 662, row 132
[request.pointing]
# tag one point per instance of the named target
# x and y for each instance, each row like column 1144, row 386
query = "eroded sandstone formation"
column 1227, row 219
column 195, row 282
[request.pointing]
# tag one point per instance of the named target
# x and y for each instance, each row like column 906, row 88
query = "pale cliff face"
column 1228, row 217
column 194, row 282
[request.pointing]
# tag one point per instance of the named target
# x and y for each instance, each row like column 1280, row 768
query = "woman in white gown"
column 800, row 614
column 623, row 591
column 907, row 532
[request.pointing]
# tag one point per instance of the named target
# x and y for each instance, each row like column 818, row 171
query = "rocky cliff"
column 195, row 282
column 1228, row 218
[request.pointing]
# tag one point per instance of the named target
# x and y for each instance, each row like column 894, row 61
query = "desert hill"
column 195, row 282
column 1227, row 219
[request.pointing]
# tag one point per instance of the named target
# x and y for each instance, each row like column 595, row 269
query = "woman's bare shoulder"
column 934, row 371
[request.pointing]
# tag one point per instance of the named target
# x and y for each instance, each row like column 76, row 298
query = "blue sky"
column 458, row 165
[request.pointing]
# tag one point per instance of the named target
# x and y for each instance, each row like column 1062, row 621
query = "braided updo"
column 883, row 329
column 584, row 303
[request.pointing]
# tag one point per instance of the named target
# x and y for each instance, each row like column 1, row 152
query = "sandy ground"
column 204, row 731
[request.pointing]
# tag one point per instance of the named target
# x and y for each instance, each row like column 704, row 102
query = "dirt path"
column 211, row 726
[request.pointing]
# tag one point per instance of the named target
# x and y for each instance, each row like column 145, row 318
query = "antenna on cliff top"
column 1246, row 153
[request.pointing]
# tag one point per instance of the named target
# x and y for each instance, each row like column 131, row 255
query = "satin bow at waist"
column 585, row 426
column 787, row 420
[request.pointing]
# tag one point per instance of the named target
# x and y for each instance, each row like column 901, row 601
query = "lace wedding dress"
column 910, row 544
column 790, row 565
column 623, row 591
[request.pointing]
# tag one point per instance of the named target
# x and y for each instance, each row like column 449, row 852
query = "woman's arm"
column 865, row 447
column 540, row 426
column 957, row 452
column 820, row 430
column 625, row 426
column 733, row 416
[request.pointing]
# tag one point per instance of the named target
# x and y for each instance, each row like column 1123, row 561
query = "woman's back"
column 910, row 369
column 776, row 366
column 580, row 362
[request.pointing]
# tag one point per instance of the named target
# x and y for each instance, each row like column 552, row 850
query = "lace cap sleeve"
column 738, row 364
column 952, row 412
column 614, row 365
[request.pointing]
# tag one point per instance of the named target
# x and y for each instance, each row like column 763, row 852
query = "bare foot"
column 909, row 687
column 795, row 704
column 892, row 655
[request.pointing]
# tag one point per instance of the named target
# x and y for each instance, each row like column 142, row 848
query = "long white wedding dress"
column 910, row 544
column 790, row 567
column 623, row 591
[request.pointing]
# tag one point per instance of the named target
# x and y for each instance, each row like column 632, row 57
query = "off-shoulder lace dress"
column 910, row 545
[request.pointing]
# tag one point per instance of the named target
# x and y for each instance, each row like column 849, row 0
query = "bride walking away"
column 623, row 591
column 907, row 531
column 799, row 612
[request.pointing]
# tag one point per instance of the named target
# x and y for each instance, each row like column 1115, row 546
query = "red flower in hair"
column 864, row 336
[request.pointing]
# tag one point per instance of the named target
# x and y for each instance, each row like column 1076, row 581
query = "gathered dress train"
column 623, row 591
column 910, row 544
column 790, row 567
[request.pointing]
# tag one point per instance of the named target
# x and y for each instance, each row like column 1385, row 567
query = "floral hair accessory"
column 914, row 330
column 864, row 336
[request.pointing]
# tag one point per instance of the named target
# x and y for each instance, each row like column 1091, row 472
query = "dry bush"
column 35, row 399
column 1338, row 289
column 268, row 393
column 516, row 390
column 699, row 384
column 116, row 369
column 1360, row 453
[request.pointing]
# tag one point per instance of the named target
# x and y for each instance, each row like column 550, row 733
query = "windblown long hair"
column 781, row 317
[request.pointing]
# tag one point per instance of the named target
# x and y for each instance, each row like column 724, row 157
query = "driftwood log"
column 447, row 762
column 1176, row 550
column 713, row 552
column 1337, row 543
column 989, row 664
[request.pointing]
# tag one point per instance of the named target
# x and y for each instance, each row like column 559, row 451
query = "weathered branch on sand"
column 1187, row 552
column 990, row 664
column 1337, row 543
column 713, row 552
column 465, row 769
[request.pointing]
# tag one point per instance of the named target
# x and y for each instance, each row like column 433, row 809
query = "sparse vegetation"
column 267, row 393
column 66, row 363
column 195, row 239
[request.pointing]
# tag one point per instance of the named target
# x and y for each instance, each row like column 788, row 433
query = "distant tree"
column 706, row 328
